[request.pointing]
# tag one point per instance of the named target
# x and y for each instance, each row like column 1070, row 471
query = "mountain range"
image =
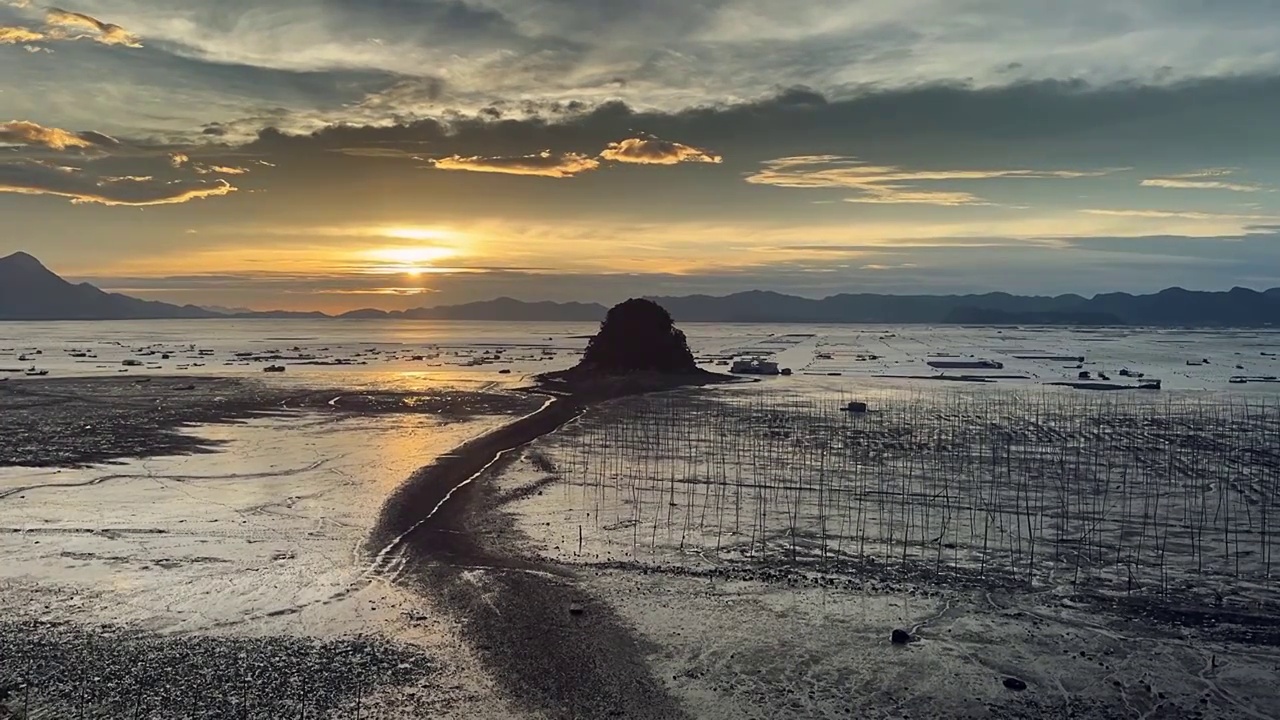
column 30, row 291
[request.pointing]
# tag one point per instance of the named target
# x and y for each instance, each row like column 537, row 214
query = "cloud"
column 179, row 159
column 16, row 35
column 219, row 169
column 1179, row 214
column 543, row 164
column 63, row 25
column 1178, row 183
column 22, row 132
column 376, row 152
column 888, row 184
column 1205, row 172
column 652, row 151
column 30, row 178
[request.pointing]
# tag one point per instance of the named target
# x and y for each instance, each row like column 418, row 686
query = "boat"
column 32, row 372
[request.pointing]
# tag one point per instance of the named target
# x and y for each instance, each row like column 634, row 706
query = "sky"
column 339, row 154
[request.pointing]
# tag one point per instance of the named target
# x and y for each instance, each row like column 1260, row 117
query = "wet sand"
column 75, row 422
column 210, row 569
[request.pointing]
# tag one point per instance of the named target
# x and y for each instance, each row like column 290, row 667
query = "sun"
column 412, row 255
column 410, row 260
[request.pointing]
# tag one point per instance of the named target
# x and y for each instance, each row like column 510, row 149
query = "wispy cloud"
column 23, row 132
column 889, row 184
column 543, row 164
column 652, row 151
column 31, row 178
column 1179, row 183
column 1179, row 214
column 67, row 25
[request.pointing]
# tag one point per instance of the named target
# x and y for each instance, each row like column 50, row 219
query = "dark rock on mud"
column 638, row 335
column 900, row 637
column 1014, row 683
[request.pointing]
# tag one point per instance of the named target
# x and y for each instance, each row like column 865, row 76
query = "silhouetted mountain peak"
column 23, row 262
column 30, row 291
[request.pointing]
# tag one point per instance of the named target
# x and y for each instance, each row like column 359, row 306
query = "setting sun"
column 410, row 260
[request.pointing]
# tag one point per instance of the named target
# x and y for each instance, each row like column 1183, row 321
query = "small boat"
column 273, row 369
column 32, row 372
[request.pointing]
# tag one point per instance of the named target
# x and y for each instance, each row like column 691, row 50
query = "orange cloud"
column 22, row 132
column 220, row 169
column 543, row 164
column 652, row 151
column 78, row 187
column 16, row 35
column 63, row 22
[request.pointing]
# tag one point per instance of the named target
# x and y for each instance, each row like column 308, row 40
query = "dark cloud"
column 67, row 25
column 79, row 186
column 1054, row 120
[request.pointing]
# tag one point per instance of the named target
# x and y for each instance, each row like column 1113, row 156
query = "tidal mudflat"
column 1045, row 554
column 196, row 548
column 416, row 536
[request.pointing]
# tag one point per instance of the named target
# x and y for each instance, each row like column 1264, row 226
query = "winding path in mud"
column 550, row 646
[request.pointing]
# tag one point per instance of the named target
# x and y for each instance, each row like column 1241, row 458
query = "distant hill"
column 225, row 310
column 29, row 291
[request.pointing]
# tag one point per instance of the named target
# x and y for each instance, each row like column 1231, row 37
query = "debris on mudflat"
column 965, row 364
column 855, row 406
column 900, row 637
column 575, row 609
column 1014, row 683
column 755, row 366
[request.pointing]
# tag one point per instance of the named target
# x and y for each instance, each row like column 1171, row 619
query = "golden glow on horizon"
column 412, row 261
column 414, row 233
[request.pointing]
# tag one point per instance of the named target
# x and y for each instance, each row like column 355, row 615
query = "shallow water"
column 430, row 350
